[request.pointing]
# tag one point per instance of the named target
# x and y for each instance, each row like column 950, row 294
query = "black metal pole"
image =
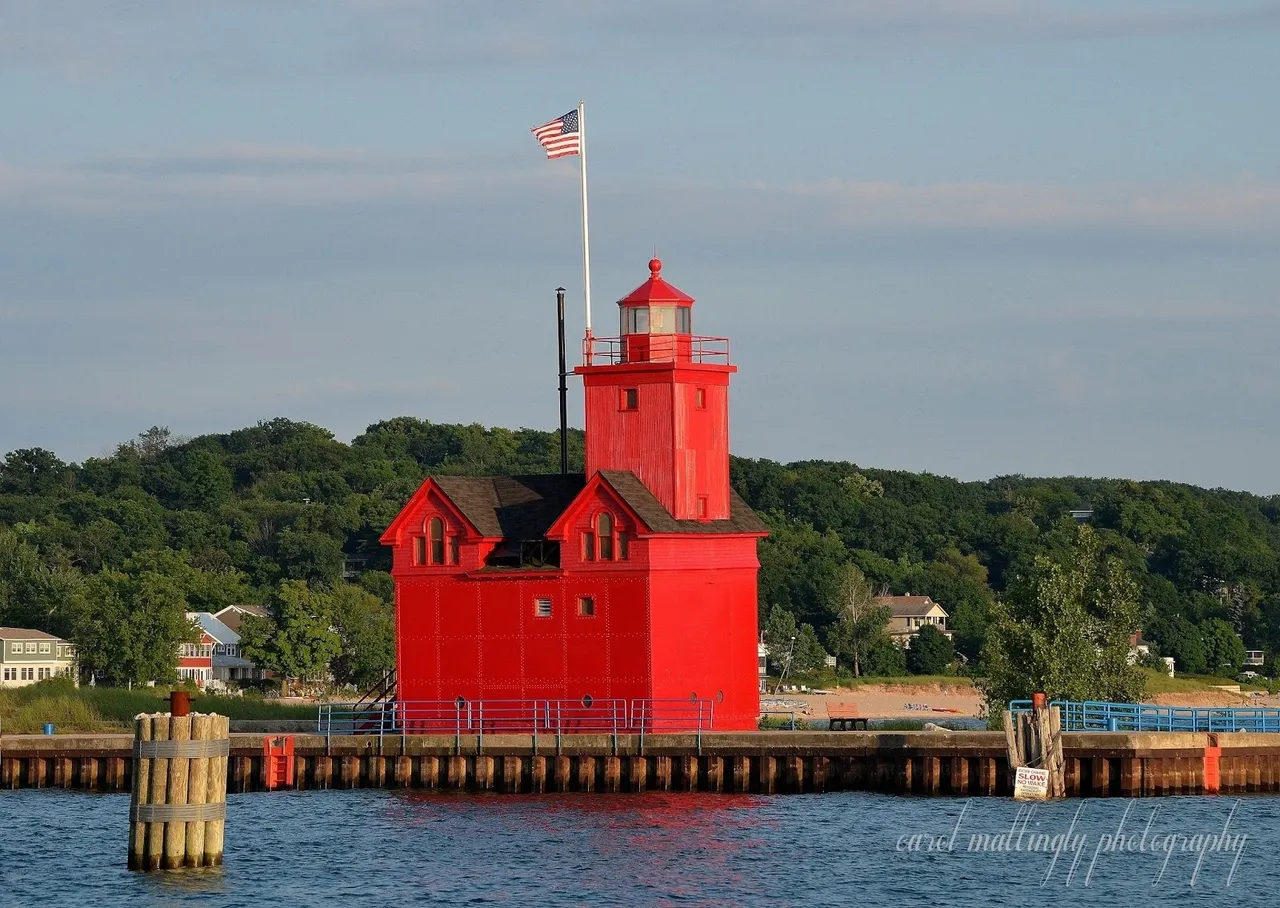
column 564, row 401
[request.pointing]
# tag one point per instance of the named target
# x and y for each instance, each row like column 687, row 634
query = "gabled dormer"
column 600, row 530
column 431, row 534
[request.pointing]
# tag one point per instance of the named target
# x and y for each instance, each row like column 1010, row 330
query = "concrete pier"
column 1097, row 764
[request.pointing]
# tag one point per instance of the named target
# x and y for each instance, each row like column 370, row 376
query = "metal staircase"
column 375, row 711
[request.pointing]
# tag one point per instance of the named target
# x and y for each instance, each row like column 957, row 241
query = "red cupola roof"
column 655, row 290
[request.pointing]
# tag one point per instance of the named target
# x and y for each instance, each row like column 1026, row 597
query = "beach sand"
column 937, row 702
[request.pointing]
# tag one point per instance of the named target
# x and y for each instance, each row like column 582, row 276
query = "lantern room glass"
column 635, row 320
column 662, row 319
column 684, row 320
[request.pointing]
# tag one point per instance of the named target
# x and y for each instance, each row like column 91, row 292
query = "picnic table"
column 844, row 717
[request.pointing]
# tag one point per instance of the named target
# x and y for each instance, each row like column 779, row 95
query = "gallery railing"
column 553, row 718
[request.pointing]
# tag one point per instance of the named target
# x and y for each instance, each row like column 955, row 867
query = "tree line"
column 111, row 551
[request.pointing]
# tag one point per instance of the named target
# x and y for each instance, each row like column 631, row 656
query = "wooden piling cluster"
column 1116, row 764
column 1034, row 739
column 179, row 791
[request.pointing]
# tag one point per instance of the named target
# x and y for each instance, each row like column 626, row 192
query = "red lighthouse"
column 633, row 583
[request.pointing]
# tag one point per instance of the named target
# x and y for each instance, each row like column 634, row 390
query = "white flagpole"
column 586, row 240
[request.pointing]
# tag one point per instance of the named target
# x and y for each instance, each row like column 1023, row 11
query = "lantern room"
column 656, row 321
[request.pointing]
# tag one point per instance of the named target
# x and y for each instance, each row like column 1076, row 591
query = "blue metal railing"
column 1092, row 715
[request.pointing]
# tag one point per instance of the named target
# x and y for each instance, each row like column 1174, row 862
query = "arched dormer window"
column 435, row 536
column 604, row 534
column 604, row 541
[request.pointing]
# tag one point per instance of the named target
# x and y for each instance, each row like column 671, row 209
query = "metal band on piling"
column 169, row 750
column 177, row 813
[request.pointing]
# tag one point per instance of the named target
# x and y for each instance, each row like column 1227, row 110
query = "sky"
column 969, row 237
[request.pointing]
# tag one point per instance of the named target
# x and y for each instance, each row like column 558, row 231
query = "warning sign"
column 1031, row 784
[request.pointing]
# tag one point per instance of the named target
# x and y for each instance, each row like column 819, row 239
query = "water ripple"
column 356, row 848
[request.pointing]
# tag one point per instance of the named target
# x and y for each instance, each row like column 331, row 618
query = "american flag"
column 561, row 136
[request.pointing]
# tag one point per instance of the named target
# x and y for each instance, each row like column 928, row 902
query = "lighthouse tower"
column 657, row 402
column 624, row 596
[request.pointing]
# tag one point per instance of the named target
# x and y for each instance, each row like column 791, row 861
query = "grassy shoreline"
column 25, row 710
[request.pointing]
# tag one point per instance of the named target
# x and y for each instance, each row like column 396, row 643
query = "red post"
column 1212, row 772
column 179, row 704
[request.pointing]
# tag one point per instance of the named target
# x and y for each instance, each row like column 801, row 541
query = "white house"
column 910, row 613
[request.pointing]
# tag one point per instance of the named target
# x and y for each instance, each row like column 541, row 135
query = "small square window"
column 630, row 399
column 587, row 607
column 46, row 648
column 31, row 647
column 542, row 608
column 15, row 647
column 700, row 398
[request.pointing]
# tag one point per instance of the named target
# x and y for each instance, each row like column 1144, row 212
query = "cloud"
column 252, row 178
column 239, row 38
column 1230, row 205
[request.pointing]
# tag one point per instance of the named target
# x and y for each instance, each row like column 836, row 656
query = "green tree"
column 1224, row 648
column 297, row 641
column 311, row 556
column 34, row 594
column 1183, row 640
column 863, row 619
column 132, row 628
column 931, row 652
column 960, row 583
column 202, row 590
column 366, row 626
column 800, row 569
column 33, row 471
column 380, row 584
column 1064, row 630
column 809, row 655
column 794, row 649
column 885, row 659
column 778, row 628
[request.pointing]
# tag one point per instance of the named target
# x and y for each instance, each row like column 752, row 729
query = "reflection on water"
column 388, row 849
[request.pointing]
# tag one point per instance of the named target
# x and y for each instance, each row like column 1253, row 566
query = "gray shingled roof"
column 524, row 507
column 910, row 606
column 24, row 633
column 513, row 507
column 654, row 513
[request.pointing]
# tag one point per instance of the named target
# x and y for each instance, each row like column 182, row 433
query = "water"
column 379, row 848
